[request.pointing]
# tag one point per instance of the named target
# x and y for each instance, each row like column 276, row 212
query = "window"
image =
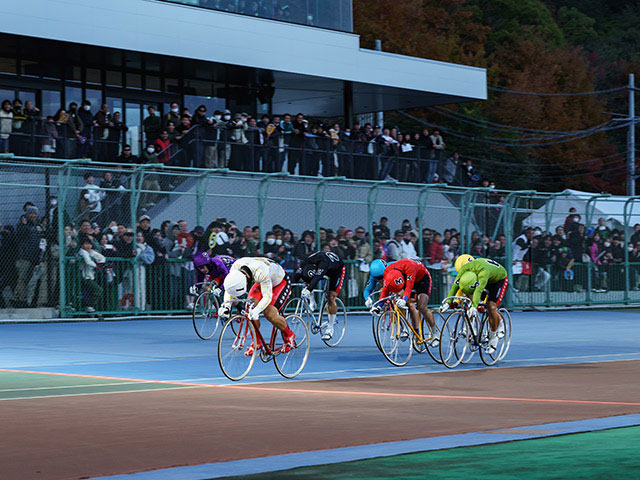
column 8, row 65
column 114, row 79
column 50, row 102
column 94, row 76
column 134, row 80
column 95, row 97
column 72, row 94
column 152, row 83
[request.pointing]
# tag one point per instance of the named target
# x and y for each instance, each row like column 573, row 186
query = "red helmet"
column 394, row 280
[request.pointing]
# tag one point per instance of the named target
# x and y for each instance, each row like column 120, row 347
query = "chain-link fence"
column 118, row 239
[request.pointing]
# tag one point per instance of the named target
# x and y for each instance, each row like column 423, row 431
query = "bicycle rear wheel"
column 396, row 339
column 205, row 315
column 234, row 363
column 506, row 322
column 339, row 326
column 454, row 340
column 290, row 364
column 297, row 306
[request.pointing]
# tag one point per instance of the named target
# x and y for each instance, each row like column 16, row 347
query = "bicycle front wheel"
column 454, row 340
column 205, row 315
column 235, row 338
column 290, row 364
column 505, row 322
column 339, row 326
column 395, row 337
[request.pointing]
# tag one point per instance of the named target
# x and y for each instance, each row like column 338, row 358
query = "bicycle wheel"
column 454, row 340
column 506, row 323
column 232, row 347
column 205, row 315
column 290, row 364
column 395, row 337
column 374, row 322
column 433, row 345
column 339, row 326
column 472, row 346
column 504, row 340
column 487, row 358
column 296, row 306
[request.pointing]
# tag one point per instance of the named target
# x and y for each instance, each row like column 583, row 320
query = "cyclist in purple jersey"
column 210, row 268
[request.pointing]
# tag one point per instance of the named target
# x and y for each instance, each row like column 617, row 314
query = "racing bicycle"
column 463, row 336
column 397, row 338
column 205, row 311
column 239, row 332
column 319, row 321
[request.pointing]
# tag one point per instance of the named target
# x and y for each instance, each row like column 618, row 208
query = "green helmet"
column 468, row 282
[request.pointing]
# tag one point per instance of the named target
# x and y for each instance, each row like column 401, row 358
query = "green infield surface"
column 608, row 454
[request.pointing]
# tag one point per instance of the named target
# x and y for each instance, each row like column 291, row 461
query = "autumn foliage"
column 524, row 47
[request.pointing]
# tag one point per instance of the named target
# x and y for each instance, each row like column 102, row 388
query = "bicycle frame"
column 307, row 307
column 267, row 350
column 400, row 315
column 465, row 305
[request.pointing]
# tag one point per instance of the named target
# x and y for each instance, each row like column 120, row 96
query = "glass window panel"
column 152, row 83
column 134, row 80
column 212, row 103
column 95, row 97
column 114, row 79
column 195, row 87
column 51, row 71
column 115, row 104
column 6, row 94
column 133, row 60
column 8, row 65
column 93, row 76
column 73, row 94
column 50, row 102
column 26, row 95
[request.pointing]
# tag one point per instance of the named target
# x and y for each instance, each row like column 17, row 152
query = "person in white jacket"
column 89, row 261
column 268, row 288
column 145, row 257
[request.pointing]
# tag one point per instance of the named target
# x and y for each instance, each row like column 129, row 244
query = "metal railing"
column 42, row 263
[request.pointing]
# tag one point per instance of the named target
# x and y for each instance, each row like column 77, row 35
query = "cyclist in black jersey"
column 312, row 270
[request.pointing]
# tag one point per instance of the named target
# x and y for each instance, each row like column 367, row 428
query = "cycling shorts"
column 280, row 294
column 423, row 286
column 496, row 291
column 336, row 279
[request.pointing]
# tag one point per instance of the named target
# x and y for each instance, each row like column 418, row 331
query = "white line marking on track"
column 68, row 386
column 105, row 393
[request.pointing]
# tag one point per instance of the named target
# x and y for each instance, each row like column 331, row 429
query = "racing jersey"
column 263, row 272
column 410, row 271
column 316, row 266
column 488, row 271
column 218, row 269
column 372, row 283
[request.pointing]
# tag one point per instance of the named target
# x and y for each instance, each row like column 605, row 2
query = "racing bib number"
column 493, row 262
column 333, row 256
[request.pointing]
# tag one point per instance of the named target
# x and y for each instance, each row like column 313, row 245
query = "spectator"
column 30, row 249
column 239, row 152
column 91, row 290
column 103, row 123
column 569, row 219
column 116, row 132
column 152, row 125
column 6, row 125
column 49, row 137
column 146, row 256
column 85, row 136
column 395, row 246
column 127, row 157
column 436, row 249
column 162, row 144
column 93, row 196
column 172, row 116
column 407, row 246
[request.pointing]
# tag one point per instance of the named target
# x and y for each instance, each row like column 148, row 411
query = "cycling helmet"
column 201, row 259
column 462, row 260
column 235, row 284
column 468, row 282
column 377, row 268
column 394, row 280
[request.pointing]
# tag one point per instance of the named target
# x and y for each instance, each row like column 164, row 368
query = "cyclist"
column 476, row 277
column 311, row 271
column 414, row 280
column 210, row 268
column 268, row 288
column 376, row 272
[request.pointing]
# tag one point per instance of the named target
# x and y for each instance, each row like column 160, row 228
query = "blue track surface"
column 168, row 350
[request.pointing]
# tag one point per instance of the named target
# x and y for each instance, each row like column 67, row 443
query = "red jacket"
column 403, row 273
column 436, row 250
column 165, row 155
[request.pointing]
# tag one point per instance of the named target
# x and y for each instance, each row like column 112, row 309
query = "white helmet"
column 235, row 284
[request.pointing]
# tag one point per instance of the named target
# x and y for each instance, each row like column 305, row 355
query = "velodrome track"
column 146, row 399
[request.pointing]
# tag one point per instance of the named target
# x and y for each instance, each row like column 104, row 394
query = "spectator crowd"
column 239, row 141
column 112, row 265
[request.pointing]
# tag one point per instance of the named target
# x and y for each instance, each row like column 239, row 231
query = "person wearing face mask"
column 270, row 249
column 85, row 137
column 173, row 115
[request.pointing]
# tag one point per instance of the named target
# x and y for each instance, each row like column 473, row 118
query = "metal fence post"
column 64, row 172
column 263, row 192
column 319, row 195
column 372, row 200
column 627, row 237
column 423, row 196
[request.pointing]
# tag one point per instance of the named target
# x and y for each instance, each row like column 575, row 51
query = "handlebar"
column 464, row 300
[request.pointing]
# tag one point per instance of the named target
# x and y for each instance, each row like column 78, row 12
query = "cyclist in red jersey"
column 411, row 279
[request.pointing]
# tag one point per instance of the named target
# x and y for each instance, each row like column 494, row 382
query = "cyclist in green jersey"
column 476, row 277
